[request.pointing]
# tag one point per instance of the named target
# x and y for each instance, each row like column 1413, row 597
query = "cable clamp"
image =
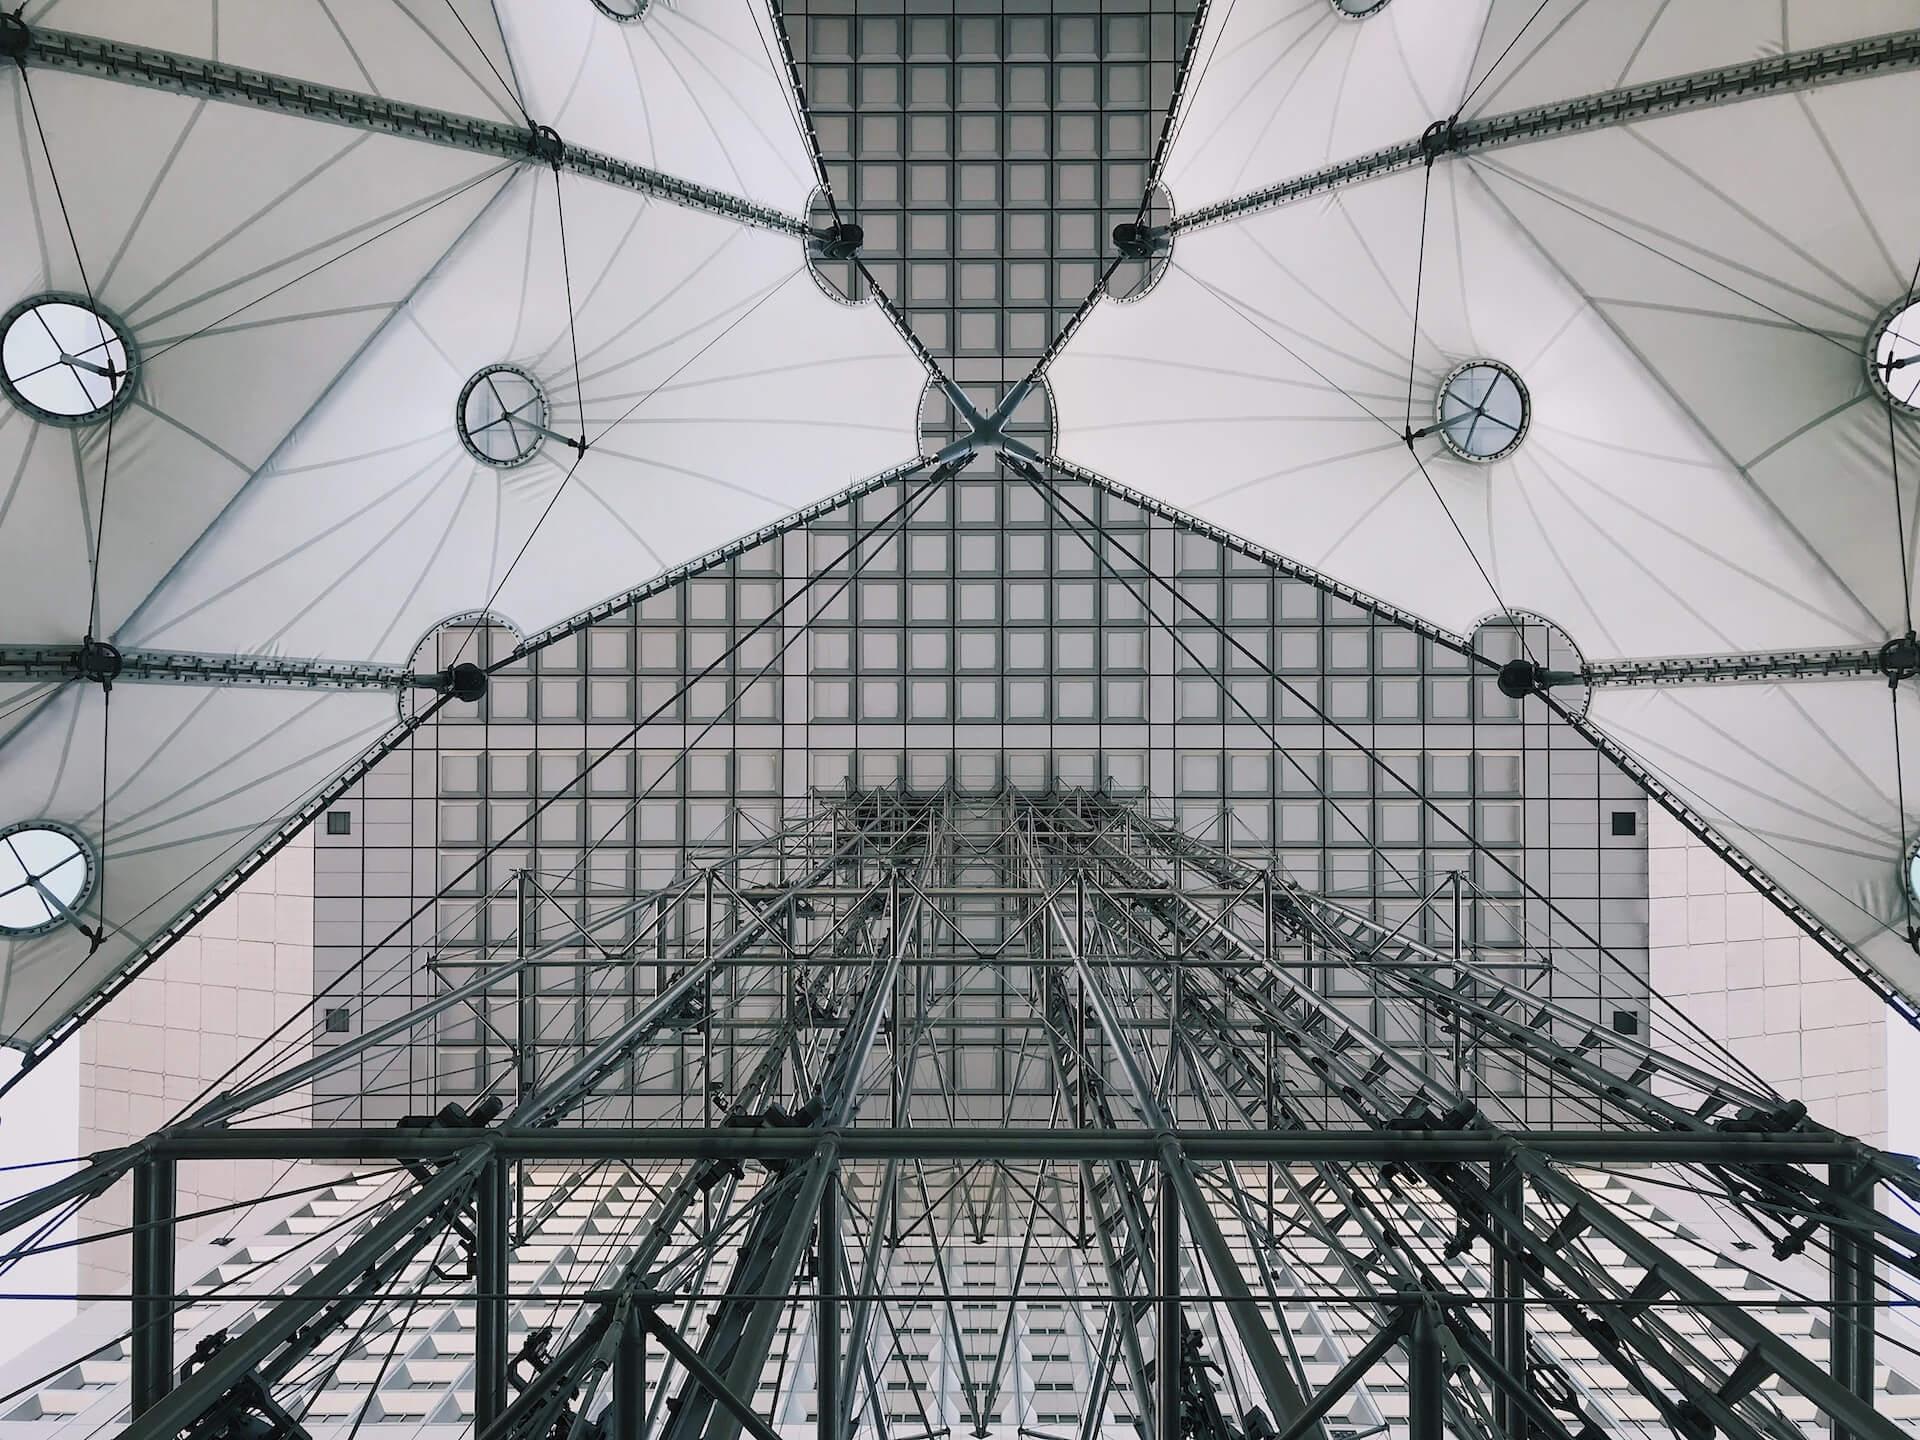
column 1442, row 137
column 544, row 144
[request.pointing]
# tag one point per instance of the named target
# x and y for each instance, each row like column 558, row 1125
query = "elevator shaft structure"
column 942, row 1112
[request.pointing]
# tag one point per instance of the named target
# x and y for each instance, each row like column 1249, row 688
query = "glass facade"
column 985, row 644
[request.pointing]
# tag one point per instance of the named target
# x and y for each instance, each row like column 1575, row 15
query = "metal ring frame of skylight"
column 47, row 875
column 66, row 359
column 627, row 12
column 1893, row 355
column 1483, row 411
column 502, row 416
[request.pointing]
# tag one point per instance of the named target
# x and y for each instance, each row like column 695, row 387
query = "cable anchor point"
column 98, row 661
column 839, row 241
column 1900, row 658
column 1442, row 137
column 16, row 38
column 545, row 145
column 1141, row 242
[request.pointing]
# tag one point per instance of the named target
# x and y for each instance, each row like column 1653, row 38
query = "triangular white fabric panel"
column 252, row 255
column 718, row 387
column 196, row 779
column 1263, row 385
column 697, row 91
column 1534, row 53
column 447, row 54
column 1796, row 776
column 1280, row 90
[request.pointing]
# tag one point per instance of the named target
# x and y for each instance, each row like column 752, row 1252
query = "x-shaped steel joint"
column 986, row 434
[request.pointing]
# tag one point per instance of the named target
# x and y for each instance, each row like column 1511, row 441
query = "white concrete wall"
column 39, row 1121
column 176, row 1030
column 1749, row 978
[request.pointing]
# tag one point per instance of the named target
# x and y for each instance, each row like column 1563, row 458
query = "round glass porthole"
column 46, row 875
column 1893, row 355
column 1910, row 874
column 1357, row 9
column 65, row 360
column 625, row 11
column 1483, row 411
column 502, row 416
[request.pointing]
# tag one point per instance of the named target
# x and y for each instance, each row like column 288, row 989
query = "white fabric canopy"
column 288, row 479
column 1687, row 298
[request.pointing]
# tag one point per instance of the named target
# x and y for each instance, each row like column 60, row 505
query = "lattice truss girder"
column 806, row 1135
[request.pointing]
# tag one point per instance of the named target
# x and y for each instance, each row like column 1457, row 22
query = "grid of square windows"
column 983, row 644
column 987, row 156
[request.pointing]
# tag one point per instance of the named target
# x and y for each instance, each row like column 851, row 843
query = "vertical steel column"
column 1426, row 1378
column 1459, row 1028
column 1853, row 1292
column 826, row 1360
column 526, row 1028
column 152, row 1289
column 1509, row 1189
column 490, row 1262
column 1167, row 1367
column 1249, row 1320
column 630, row 1380
column 526, row 1032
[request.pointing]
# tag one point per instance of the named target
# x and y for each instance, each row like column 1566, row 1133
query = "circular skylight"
column 1483, row 410
column 65, row 360
column 1893, row 356
column 625, row 11
column 502, row 416
column 1357, row 9
column 46, row 875
column 1146, row 248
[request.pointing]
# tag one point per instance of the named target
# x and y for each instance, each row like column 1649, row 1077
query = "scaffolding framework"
column 1193, row 1136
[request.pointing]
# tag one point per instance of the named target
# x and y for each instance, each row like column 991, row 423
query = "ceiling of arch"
column 1686, row 297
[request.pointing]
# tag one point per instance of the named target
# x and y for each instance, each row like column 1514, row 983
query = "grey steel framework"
column 211, row 80
column 982, row 642
column 1455, row 135
column 1011, row 1099
column 1192, row 1143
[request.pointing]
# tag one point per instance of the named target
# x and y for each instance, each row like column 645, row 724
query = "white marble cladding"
column 177, row 1029
column 1743, row 972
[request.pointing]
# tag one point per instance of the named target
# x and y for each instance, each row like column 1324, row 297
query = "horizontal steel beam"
column 1358, row 1147
column 212, row 80
column 178, row 667
column 1759, row 665
column 1772, row 75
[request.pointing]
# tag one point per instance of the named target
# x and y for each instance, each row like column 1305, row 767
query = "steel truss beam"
column 211, row 80
column 1772, row 75
column 595, row 1143
column 1723, row 669
column 1277, row 1381
column 60, row 663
